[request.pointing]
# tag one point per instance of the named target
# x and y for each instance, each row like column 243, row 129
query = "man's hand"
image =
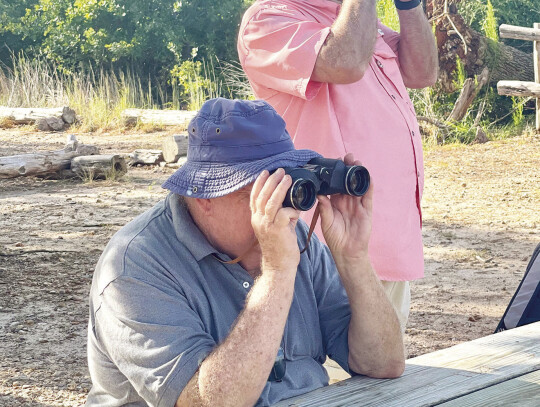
column 235, row 373
column 346, row 221
column 375, row 339
column 274, row 225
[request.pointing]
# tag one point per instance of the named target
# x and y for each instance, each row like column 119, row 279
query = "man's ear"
column 203, row 205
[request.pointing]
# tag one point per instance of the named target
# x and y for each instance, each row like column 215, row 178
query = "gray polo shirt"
column 160, row 302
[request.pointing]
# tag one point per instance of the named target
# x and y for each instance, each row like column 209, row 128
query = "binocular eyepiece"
column 324, row 176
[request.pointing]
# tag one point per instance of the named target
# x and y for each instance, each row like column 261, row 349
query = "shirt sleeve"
column 391, row 37
column 332, row 303
column 153, row 336
column 278, row 50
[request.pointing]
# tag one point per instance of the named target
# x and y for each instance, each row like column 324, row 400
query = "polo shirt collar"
column 186, row 230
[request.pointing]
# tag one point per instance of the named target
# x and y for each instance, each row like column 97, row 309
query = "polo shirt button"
column 380, row 31
column 246, row 284
column 379, row 64
column 393, row 96
column 412, row 132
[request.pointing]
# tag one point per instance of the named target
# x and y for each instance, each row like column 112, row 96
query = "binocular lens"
column 357, row 180
column 303, row 194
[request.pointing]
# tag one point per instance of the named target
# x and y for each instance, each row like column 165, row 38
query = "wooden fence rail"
column 519, row 88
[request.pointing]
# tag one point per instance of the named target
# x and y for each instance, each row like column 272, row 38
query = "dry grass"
column 6, row 123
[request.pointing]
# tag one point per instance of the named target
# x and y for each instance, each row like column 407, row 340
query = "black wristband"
column 407, row 5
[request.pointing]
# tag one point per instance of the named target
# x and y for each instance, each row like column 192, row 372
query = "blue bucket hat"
column 230, row 143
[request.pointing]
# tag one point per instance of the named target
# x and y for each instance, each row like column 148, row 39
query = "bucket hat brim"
column 207, row 180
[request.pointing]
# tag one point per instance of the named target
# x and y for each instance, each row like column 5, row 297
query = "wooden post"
column 519, row 33
column 537, row 76
column 174, row 147
column 517, row 88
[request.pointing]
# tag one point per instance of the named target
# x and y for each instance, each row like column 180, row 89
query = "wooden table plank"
column 439, row 376
column 523, row 391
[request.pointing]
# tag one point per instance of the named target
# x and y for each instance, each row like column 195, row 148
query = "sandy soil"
column 481, row 224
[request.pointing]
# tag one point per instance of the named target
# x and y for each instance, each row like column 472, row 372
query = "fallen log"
column 174, row 147
column 163, row 117
column 145, row 157
column 50, row 124
column 99, row 166
column 46, row 162
column 23, row 115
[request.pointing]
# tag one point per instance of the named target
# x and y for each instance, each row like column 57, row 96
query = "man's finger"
column 367, row 199
column 275, row 202
column 266, row 192
column 256, row 190
column 348, row 159
column 326, row 211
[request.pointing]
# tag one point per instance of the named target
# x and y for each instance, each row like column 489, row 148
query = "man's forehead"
column 246, row 190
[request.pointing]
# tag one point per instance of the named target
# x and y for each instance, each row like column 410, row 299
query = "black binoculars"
column 324, row 176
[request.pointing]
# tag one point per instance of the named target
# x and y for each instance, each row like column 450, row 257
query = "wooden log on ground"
column 467, row 95
column 163, row 117
column 518, row 88
column 174, row 147
column 44, row 163
column 146, row 157
column 519, row 33
column 23, row 115
column 99, row 166
column 181, row 161
column 50, row 124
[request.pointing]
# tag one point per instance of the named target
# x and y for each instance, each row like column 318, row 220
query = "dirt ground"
column 481, row 223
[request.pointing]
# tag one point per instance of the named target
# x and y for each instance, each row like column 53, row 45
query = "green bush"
column 152, row 35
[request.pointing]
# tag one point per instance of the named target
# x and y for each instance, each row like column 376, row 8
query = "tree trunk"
column 23, row 115
column 174, row 147
column 43, row 163
column 99, row 166
column 455, row 38
column 164, row 117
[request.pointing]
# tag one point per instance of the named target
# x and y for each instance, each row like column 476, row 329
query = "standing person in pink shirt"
column 338, row 77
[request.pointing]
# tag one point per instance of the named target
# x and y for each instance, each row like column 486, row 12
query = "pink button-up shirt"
column 373, row 118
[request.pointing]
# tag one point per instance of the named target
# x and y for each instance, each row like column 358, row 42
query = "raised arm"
column 375, row 340
column 417, row 50
column 346, row 53
column 236, row 372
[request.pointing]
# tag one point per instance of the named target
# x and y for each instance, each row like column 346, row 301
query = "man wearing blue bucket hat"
column 206, row 299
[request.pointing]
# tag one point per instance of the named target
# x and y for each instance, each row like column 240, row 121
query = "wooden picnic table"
column 497, row 370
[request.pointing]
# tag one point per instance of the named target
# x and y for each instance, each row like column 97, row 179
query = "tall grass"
column 490, row 23
column 101, row 97
column 31, row 83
